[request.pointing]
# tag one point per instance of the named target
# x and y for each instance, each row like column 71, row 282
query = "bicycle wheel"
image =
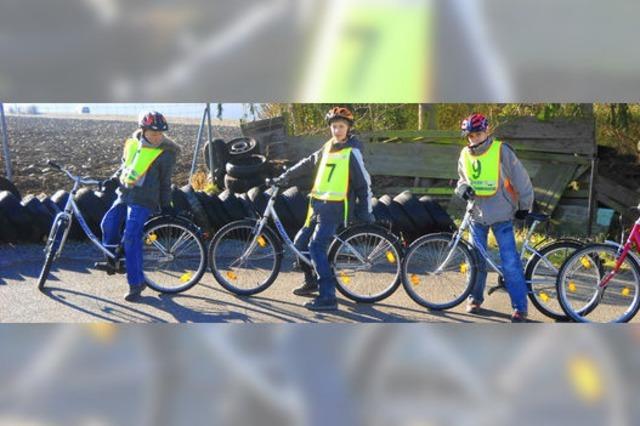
column 57, row 235
column 579, row 292
column 243, row 262
column 541, row 273
column 173, row 255
column 366, row 261
column 449, row 286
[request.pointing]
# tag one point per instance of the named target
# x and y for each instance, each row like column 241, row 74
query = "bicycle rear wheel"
column 541, row 273
column 57, row 235
column 174, row 255
column 242, row 261
column 435, row 289
column 367, row 262
column 579, row 292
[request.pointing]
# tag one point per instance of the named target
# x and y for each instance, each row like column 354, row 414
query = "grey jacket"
column 154, row 189
column 502, row 206
column 360, row 195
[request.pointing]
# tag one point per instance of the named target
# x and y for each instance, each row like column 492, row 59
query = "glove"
column 110, row 185
column 466, row 192
column 522, row 214
column 168, row 211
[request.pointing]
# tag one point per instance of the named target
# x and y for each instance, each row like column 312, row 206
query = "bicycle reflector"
column 151, row 238
column 345, row 279
column 415, row 280
column 464, row 268
column 232, row 275
column 186, row 277
column 585, row 262
column 390, row 257
column 262, row 242
column 543, row 296
column 572, row 286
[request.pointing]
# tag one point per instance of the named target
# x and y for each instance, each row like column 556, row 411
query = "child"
column 341, row 180
column 497, row 188
column 144, row 183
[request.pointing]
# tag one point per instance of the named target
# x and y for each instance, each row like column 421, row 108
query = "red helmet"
column 474, row 123
column 153, row 120
column 339, row 113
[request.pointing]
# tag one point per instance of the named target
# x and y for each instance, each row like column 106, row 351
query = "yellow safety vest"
column 332, row 179
column 137, row 161
column 483, row 171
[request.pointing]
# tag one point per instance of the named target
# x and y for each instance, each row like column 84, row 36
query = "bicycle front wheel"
column 243, row 261
column 432, row 283
column 53, row 247
column 174, row 255
column 366, row 261
column 541, row 273
column 579, row 291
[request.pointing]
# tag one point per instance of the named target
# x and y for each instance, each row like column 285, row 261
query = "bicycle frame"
column 466, row 224
column 270, row 212
column 624, row 251
column 71, row 209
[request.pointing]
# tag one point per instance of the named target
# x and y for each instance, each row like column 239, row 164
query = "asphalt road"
column 78, row 293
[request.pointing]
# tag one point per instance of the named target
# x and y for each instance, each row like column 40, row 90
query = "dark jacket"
column 360, row 196
column 154, row 189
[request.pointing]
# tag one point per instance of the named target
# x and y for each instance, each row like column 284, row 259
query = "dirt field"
column 90, row 145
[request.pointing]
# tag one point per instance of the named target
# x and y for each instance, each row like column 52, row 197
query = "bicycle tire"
column 52, row 247
column 544, row 295
column 411, row 274
column 163, row 229
column 243, row 228
column 356, row 290
column 593, row 253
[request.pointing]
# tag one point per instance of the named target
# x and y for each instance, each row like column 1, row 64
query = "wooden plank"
column 622, row 196
column 532, row 128
column 550, row 183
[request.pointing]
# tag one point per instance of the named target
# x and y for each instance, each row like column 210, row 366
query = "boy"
column 144, row 183
column 341, row 180
column 497, row 189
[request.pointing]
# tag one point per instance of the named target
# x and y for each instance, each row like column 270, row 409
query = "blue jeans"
column 511, row 264
column 111, row 225
column 316, row 237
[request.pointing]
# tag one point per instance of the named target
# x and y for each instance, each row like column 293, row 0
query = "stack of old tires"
column 411, row 216
column 236, row 164
column 29, row 219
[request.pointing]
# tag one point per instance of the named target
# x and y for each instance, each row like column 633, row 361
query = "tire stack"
column 237, row 165
column 29, row 219
column 411, row 216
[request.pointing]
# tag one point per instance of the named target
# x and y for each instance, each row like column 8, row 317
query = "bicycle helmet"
column 339, row 113
column 474, row 123
column 153, row 120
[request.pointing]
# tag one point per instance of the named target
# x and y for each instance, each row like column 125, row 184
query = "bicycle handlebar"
column 79, row 179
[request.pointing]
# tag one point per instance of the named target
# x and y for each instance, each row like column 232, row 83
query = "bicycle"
column 245, row 256
column 439, row 270
column 174, row 255
column 605, row 276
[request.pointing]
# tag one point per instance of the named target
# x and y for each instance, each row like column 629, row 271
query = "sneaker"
column 134, row 292
column 473, row 307
column 307, row 289
column 319, row 304
column 518, row 316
